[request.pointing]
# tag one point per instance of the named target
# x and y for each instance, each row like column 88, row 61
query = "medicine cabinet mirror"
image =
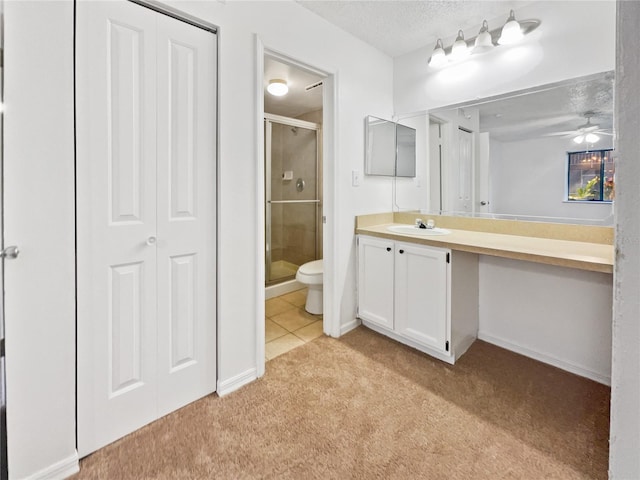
column 390, row 148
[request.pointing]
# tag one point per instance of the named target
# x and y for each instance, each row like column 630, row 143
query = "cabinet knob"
column 388, row 249
column 401, row 251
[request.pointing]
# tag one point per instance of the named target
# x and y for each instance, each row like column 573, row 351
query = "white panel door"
column 186, row 202
column 146, row 164
column 421, row 291
column 375, row 281
column 464, row 193
column 116, row 214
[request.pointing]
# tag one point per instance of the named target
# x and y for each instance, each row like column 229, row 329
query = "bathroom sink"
column 412, row 230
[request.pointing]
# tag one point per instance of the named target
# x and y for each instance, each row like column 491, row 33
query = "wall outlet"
column 356, row 178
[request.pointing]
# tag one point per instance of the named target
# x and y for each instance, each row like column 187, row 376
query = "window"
column 585, row 174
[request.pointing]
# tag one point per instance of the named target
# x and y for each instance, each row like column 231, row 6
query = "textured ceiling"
column 396, row 27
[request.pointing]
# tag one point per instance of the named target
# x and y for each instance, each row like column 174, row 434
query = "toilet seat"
column 310, row 273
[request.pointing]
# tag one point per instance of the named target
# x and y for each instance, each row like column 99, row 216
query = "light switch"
column 355, row 178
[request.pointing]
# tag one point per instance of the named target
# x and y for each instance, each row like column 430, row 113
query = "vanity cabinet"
column 405, row 291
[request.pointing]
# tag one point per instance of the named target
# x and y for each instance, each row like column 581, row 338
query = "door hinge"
column 446, row 345
column 357, row 311
column 448, row 257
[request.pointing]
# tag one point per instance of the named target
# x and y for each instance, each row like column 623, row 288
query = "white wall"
column 529, row 177
column 625, row 392
column 39, row 170
column 557, row 315
column 558, row 50
column 39, row 218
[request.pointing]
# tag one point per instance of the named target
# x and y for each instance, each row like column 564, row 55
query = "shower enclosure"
column 293, row 196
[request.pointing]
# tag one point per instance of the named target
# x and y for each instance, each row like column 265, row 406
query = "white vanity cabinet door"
column 375, row 280
column 421, row 292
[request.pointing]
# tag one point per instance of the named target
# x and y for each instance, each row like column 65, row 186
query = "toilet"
column 310, row 275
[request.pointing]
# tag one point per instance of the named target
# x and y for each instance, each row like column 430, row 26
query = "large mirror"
column 541, row 154
column 390, row 148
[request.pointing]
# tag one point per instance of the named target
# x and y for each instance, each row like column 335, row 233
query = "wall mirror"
column 540, row 154
column 390, row 148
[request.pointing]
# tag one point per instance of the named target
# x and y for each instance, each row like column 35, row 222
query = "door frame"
column 331, row 316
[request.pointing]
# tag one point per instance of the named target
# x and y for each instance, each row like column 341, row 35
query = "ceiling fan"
column 585, row 133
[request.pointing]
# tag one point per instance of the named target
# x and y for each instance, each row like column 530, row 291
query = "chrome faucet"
column 429, row 225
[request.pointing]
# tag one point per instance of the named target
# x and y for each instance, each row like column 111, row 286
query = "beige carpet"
column 366, row 407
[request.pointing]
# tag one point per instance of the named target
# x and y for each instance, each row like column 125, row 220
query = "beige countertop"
column 594, row 257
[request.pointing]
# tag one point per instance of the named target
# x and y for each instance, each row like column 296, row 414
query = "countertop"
column 594, row 257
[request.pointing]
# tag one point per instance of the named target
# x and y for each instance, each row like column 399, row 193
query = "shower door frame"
column 291, row 122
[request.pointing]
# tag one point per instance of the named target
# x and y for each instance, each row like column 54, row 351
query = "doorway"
column 293, row 202
column 146, row 217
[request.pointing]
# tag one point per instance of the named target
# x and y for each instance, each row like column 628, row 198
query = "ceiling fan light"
column 591, row 138
column 277, row 87
column 459, row 49
column 578, row 139
column 438, row 57
column 511, row 32
column 484, row 42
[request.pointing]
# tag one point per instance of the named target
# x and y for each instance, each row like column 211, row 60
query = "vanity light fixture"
column 438, row 57
column 511, row 32
column 459, row 49
column 277, row 87
column 486, row 40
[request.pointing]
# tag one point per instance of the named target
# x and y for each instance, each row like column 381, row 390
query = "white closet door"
column 146, row 175
column 116, row 202
column 186, row 207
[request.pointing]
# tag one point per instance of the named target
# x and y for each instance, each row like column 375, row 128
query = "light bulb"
column 277, row 87
column 511, row 32
column 484, row 42
column 459, row 49
column 591, row 137
column 579, row 139
column 438, row 57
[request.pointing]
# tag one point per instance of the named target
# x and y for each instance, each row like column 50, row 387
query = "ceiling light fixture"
column 485, row 41
column 591, row 138
column 277, row 87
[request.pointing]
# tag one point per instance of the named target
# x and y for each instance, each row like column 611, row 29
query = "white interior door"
column 146, row 217
column 186, row 205
column 464, row 192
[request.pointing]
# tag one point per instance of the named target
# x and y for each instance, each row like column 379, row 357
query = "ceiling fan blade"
column 557, row 134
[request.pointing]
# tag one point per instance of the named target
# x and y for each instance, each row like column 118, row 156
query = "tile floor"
column 287, row 325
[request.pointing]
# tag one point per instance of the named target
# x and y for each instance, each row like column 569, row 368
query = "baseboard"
column 347, row 327
column 234, row 383
column 282, row 289
column 59, row 470
column 546, row 358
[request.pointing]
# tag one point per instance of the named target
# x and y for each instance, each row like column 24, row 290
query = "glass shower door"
column 292, row 196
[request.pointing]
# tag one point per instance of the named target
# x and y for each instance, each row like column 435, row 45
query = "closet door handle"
column 151, row 240
column 388, row 249
column 401, row 251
